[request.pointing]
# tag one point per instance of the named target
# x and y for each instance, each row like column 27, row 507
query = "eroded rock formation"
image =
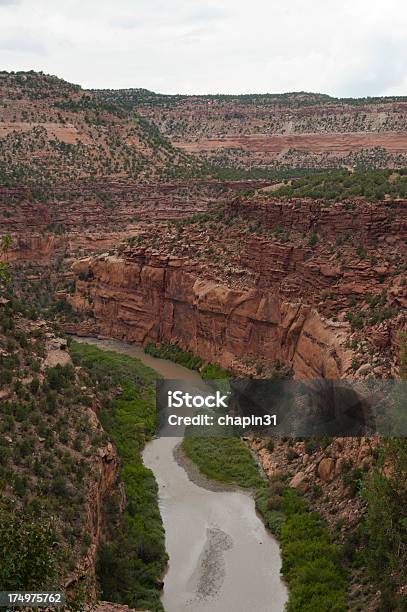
column 253, row 286
column 146, row 298
column 87, row 217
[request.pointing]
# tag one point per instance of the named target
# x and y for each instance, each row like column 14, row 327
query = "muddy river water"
column 221, row 558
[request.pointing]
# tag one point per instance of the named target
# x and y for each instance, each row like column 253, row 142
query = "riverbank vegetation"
column 311, row 563
column 189, row 360
column 132, row 556
column 227, row 460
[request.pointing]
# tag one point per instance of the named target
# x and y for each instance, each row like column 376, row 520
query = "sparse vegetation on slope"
column 339, row 185
column 240, row 130
column 53, row 132
column 385, row 527
column 48, row 465
column 143, row 97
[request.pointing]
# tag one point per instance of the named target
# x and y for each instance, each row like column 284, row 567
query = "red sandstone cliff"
column 249, row 284
column 152, row 298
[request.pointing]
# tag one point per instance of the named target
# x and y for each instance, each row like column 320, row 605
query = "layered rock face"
column 87, row 217
column 295, row 129
column 371, row 221
column 330, row 309
column 318, row 272
column 146, row 298
column 318, row 150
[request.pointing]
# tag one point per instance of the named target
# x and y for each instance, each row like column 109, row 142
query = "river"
column 221, row 557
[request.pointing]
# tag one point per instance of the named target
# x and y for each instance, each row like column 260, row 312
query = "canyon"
column 84, row 217
column 156, row 219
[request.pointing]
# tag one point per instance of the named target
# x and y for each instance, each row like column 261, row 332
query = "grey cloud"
column 190, row 46
column 207, row 13
column 125, row 24
column 385, row 67
column 22, row 45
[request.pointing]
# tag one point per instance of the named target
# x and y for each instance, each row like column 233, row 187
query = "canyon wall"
column 371, row 221
column 294, row 129
column 105, row 484
column 141, row 297
column 86, row 217
column 254, row 286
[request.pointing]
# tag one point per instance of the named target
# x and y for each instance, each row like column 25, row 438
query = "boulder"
column 299, row 482
column 339, row 466
column 325, row 468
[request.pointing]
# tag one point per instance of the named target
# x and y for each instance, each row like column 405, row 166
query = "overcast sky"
column 340, row 47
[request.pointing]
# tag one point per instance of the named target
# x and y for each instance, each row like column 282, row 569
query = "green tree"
column 5, row 243
column 27, row 559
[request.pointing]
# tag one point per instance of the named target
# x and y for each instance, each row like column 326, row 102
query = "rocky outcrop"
column 254, row 287
column 326, row 474
column 370, row 221
column 144, row 298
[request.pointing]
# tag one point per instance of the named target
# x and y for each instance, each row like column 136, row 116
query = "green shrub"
column 276, row 487
column 310, row 563
column 174, row 353
column 224, row 459
column 310, row 445
column 275, row 502
column 313, row 239
column 213, row 371
column 270, row 446
column 27, row 552
column 353, row 479
column 34, row 385
column 292, row 454
column 185, row 358
column 59, row 377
